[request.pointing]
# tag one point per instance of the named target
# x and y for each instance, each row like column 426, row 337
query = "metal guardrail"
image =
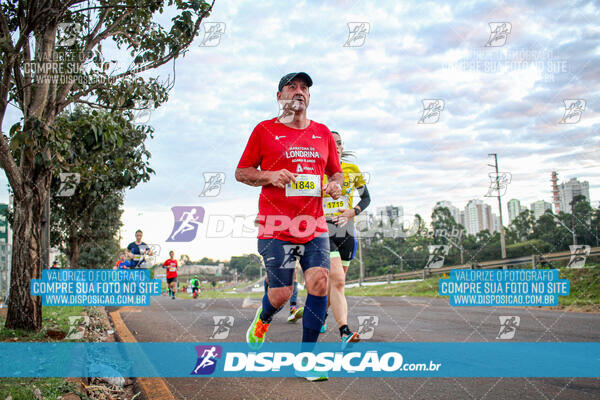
column 534, row 260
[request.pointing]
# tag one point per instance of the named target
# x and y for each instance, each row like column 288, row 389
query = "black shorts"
column 280, row 258
column 342, row 240
column 171, row 280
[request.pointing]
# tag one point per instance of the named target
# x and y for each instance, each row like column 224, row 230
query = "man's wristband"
column 357, row 210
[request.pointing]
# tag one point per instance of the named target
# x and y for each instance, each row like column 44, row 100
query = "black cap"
column 291, row 76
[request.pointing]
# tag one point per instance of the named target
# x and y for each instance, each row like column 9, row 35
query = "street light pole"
column 502, row 239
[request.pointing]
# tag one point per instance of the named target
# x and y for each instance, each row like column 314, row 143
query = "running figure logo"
column 504, row 179
column 499, row 32
column 142, row 110
column 74, row 324
column 573, row 110
column 293, row 252
column 68, row 32
column 357, row 34
column 223, row 325
column 212, row 34
column 287, row 110
column 508, row 327
column 213, row 181
column 366, row 325
column 437, row 254
column 187, row 220
column 579, row 253
column 432, row 108
column 207, row 359
column 68, row 184
column 155, row 249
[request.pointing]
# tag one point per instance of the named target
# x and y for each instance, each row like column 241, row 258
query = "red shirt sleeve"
column 333, row 161
column 252, row 155
column 166, row 263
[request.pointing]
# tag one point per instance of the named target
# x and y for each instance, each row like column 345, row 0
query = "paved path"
column 402, row 319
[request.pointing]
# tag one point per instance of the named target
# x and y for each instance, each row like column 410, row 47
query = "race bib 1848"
column 305, row 185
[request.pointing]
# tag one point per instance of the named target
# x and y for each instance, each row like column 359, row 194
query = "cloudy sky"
column 505, row 98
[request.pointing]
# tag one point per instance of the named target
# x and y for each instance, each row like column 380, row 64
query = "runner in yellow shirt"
column 340, row 215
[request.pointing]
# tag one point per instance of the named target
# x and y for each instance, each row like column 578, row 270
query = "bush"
column 535, row 246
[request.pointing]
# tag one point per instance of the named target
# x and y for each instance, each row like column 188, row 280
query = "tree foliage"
column 524, row 237
column 53, row 54
column 109, row 154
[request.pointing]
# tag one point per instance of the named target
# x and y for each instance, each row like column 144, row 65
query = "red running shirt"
column 294, row 214
column 171, row 268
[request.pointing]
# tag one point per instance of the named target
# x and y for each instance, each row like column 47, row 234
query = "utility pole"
column 502, row 239
column 573, row 222
column 361, row 269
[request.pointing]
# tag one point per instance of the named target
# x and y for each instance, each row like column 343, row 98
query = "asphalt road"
column 399, row 319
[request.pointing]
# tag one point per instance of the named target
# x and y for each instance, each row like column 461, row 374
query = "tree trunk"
column 24, row 310
column 74, row 250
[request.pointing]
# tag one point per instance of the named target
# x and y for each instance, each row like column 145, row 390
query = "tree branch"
column 42, row 84
column 92, row 41
column 6, row 159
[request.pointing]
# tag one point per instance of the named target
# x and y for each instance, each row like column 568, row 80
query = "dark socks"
column 268, row 311
column 309, row 335
column 312, row 320
column 345, row 330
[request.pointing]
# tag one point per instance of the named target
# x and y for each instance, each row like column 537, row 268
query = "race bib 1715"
column 331, row 206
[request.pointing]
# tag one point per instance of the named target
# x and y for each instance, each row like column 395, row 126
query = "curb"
column 152, row 388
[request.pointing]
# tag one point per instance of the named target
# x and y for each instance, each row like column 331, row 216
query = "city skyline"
column 477, row 215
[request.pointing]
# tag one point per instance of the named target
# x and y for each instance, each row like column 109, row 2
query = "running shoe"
column 316, row 376
column 312, row 375
column 295, row 314
column 324, row 327
column 351, row 337
column 255, row 336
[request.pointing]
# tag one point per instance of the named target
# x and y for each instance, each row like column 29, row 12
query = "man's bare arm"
column 254, row 177
column 338, row 177
column 334, row 185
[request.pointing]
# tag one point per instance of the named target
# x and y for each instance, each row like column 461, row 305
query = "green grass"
column 22, row 388
column 216, row 294
column 56, row 318
column 584, row 283
column 585, row 287
column 426, row 288
column 208, row 292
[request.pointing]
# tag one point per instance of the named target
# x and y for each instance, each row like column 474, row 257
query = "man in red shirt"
column 171, row 266
column 288, row 156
